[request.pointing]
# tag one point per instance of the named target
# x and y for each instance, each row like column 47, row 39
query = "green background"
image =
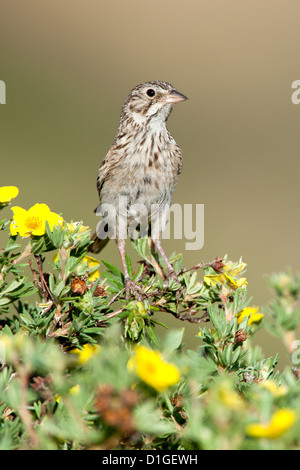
column 68, row 66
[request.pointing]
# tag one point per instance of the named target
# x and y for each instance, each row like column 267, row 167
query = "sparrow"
column 137, row 178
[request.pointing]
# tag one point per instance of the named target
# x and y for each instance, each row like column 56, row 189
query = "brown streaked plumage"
column 140, row 170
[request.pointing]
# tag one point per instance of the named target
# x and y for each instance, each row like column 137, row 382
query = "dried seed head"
column 115, row 408
column 217, row 264
column 240, row 336
column 100, row 291
column 78, row 286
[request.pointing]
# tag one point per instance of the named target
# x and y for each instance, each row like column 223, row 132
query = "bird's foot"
column 131, row 286
column 173, row 275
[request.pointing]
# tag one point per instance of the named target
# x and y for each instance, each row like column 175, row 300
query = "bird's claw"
column 131, row 286
column 172, row 276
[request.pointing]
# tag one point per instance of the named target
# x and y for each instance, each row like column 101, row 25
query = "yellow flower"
column 229, row 276
column 138, row 308
column 72, row 226
column 229, row 397
column 86, row 352
column 92, row 263
column 234, row 269
column 281, row 421
column 276, row 390
column 7, row 193
column 33, row 221
column 235, row 283
column 251, row 313
column 74, row 390
column 213, row 280
column 152, row 369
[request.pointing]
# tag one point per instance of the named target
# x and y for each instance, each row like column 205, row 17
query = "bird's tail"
column 98, row 243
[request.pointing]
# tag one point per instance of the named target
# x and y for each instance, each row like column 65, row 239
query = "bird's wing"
column 105, row 170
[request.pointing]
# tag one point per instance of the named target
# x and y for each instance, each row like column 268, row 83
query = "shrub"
column 82, row 368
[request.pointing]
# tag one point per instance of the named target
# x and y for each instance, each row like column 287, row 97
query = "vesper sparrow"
column 137, row 178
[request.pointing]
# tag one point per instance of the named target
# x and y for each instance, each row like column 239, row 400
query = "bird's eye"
column 150, row 92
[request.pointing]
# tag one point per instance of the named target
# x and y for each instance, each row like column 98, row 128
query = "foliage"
column 82, row 368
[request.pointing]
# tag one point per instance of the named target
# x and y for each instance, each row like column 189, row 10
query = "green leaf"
column 139, row 272
column 12, row 286
column 148, row 420
column 115, row 271
column 173, row 340
column 5, row 301
column 129, row 265
column 141, row 246
column 58, row 288
column 152, row 335
column 93, row 330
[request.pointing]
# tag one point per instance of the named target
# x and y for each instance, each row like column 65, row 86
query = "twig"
column 27, row 252
column 197, row 266
column 36, row 281
column 56, row 319
column 188, row 317
column 185, row 315
column 115, row 297
column 47, row 291
column 110, row 315
column 24, row 408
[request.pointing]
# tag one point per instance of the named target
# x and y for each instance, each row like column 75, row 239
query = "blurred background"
column 68, row 65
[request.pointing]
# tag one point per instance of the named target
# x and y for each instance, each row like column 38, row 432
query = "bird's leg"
column 129, row 284
column 172, row 273
column 154, row 262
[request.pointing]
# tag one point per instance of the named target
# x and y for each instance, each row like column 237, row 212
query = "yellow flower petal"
column 152, row 369
column 55, row 258
column 7, row 193
column 276, row 390
column 255, row 318
column 19, row 212
column 33, row 221
column 72, row 226
column 235, row 284
column 213, row 280
column 75, row 390
column 234, row 269
column 229, row 397
column 54, row 219
column 92, row 263
column 251, row 313
column 17, row 224
column 281, row 421
column 86, row 352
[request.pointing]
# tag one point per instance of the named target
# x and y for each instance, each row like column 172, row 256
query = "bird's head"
column 150, row 102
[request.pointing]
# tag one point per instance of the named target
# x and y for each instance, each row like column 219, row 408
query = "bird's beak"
column 174, row 97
